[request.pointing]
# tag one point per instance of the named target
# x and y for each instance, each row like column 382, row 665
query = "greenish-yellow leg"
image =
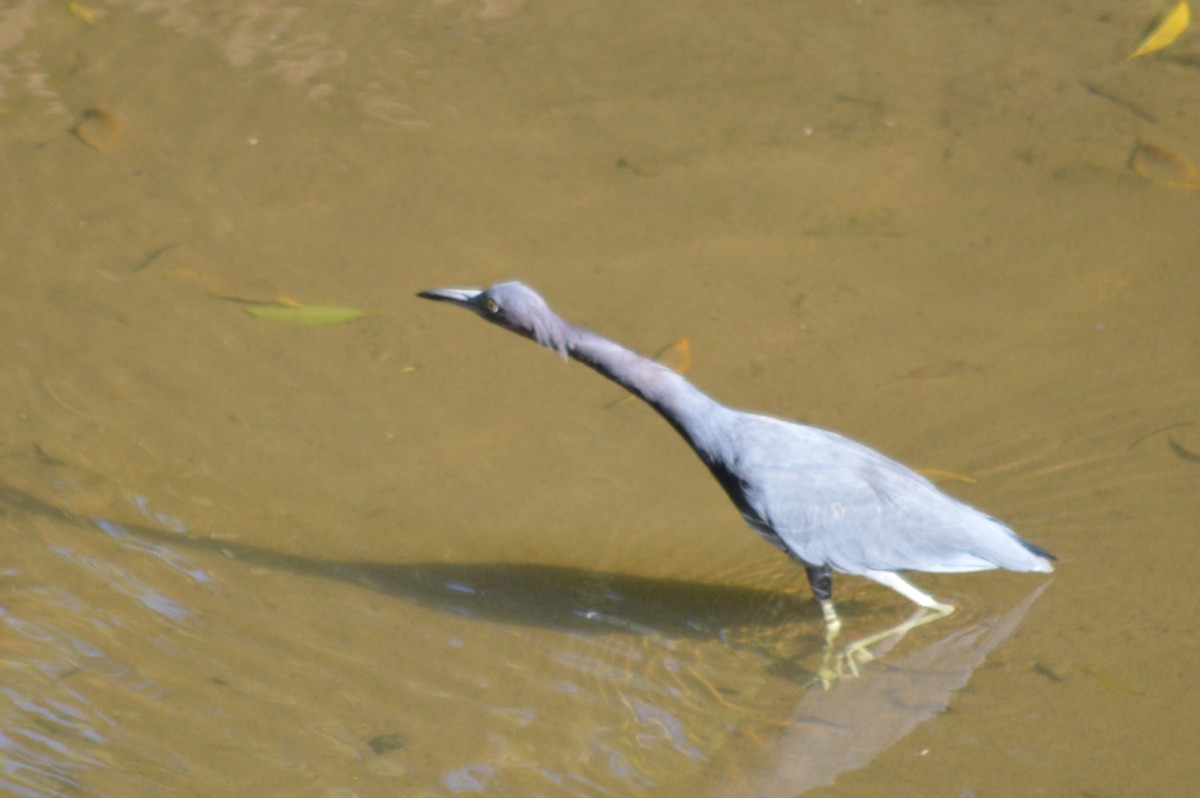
column 836, row 664
column 859, row 652
column 931, row 610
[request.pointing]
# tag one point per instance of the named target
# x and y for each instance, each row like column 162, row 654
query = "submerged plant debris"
column 247, row 290
column 1184, row 453
column 85, row 13
column 941, row 475
column 263, row 300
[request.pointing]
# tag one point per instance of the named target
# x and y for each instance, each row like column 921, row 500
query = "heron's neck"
column 693, row 413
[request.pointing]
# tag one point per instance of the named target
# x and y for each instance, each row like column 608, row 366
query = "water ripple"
column 125, row 583
column 177, row 561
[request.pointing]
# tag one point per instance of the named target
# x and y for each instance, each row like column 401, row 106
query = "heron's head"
column 514, row 306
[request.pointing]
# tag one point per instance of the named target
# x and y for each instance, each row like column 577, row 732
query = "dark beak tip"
column 457, row 296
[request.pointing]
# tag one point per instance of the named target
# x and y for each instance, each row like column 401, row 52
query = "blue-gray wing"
column 835, row 502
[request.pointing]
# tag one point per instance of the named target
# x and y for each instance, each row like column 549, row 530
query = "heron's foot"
column 859, row 652
column 841, row 663
column 854, row 655
column 829, row 670
column 846, row 663
column 838, row 663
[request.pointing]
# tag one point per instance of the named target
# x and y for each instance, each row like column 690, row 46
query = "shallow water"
column 415, row 555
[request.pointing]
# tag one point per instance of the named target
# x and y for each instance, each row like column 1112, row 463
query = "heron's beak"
column 463, row 297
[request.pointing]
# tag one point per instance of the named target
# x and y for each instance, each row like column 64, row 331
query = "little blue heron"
column 829, row 502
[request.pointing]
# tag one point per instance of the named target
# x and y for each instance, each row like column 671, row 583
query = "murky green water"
column 412, row 555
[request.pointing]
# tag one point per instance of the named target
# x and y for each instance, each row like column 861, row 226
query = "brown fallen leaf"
column 1164, row 166
column 676, row 356
column 100, row 130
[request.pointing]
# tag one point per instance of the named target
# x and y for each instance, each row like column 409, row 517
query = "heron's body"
column 832, row 503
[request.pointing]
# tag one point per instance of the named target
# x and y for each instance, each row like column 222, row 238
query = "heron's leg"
column 906, row 589
column 931, row 610
column 821, row 580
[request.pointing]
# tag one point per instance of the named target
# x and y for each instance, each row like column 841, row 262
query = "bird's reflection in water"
column 846, row 728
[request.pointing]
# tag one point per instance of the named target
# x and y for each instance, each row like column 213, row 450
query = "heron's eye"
column 490, row 305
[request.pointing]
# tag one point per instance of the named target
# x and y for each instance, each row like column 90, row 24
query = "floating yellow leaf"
column 1165, row 31
column 83, row 12
column 100, row 130
column 1163, row 166
column 304, row 314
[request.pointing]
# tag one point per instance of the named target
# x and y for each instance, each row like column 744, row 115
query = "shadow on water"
column 820, row 734
column 556, row 597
